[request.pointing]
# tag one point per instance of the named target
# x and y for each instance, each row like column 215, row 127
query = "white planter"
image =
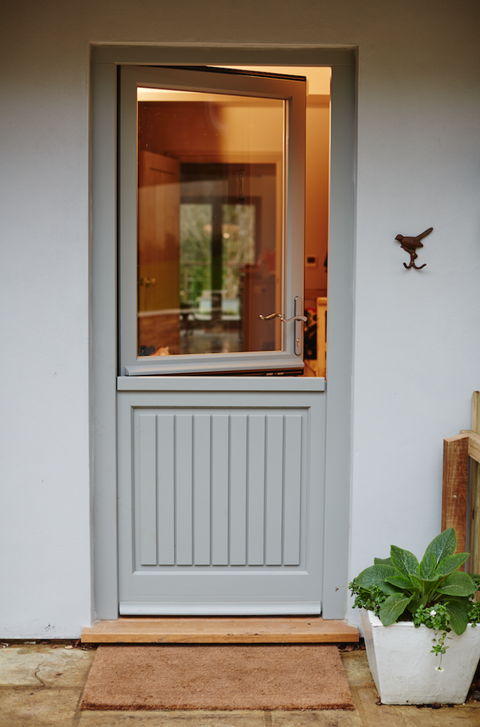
column 404, row 670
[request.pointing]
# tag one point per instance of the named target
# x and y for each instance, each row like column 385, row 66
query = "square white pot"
column 404, row 670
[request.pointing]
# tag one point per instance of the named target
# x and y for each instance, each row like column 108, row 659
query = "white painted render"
column 417, row 342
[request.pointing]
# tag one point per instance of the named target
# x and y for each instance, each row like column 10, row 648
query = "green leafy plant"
column 432, row 592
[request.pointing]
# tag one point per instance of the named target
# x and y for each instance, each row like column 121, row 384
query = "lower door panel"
column 221, row 499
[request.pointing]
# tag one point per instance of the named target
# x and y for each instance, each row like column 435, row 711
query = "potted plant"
column 419, row 622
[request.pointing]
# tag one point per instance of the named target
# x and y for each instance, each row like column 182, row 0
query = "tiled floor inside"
column 41, row 686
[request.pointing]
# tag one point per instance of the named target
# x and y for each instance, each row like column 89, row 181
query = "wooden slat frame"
column 455, row 487
column 461, row 487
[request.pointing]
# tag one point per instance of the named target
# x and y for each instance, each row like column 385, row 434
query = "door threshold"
column 214, row 630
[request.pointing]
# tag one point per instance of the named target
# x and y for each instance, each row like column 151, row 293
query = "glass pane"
column 210, row 212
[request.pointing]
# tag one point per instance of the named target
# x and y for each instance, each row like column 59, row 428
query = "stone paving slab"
column 42, row 666
column 42, row 707
column 356, row 668
column 395, row 716
column 324, row 718
column 173, row 719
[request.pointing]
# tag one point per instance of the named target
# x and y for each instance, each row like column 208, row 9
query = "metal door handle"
column 284, row 320
column 297, row 326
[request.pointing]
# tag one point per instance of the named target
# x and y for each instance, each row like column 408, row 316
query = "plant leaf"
column 426, row 570
column 400, row 581
column 404, row 561
column 450, row 563
column 375, row 576
column 457, row 584
column 390, row 590
column 382, row 561
column 417, row 582
column 458, row 613
column 392, row 608
column 417, row 603
column 443, row 545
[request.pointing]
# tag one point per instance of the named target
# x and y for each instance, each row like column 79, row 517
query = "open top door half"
column 212, row 177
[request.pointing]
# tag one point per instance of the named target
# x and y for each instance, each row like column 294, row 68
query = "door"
column 220, row 495
column 220, row 477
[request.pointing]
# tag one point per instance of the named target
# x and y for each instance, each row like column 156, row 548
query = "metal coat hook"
column 284, row 320
column 410, row 245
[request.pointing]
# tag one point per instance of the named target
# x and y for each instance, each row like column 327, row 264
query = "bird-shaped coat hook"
column 410, row 245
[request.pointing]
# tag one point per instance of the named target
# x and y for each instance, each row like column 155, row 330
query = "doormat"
column 226, row 677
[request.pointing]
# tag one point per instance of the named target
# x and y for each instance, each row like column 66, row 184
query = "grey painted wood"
column 183, row 489
column 104, row 298
column 214, row 608
column 103, row 354
column 166, row 489
column 220, row 488
column 256, row 489
column 238, row 489
column 280, row 360
column 274, row 490
column 292, row 498
column 220, row 383
column 340, row 344
column 226, row 54
column 244, row 454
column 202, row 479
column 148, row 489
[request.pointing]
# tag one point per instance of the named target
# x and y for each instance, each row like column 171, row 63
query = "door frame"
column 104, row 290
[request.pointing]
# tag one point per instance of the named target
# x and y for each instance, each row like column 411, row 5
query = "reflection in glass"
column 210, row 238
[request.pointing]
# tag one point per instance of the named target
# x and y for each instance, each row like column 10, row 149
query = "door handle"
column 284, row 320
column 297, row 306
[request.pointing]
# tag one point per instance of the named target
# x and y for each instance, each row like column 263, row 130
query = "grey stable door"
column 220, row 478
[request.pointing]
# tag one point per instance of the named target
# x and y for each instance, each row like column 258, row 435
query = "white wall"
column 417, row 347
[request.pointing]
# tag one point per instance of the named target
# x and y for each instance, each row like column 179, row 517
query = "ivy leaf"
column 382, row 561
column 458, row 614
column 426, row 570
column 400, row 581
column 392, row 608
column 404, row 561
column 443, row 545
column 450, row 564
column 375, row 575
column 457, row 584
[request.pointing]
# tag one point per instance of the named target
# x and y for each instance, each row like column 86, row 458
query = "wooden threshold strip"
column 211, row 630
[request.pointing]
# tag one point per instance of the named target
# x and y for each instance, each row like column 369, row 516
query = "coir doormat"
column 226, row 677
